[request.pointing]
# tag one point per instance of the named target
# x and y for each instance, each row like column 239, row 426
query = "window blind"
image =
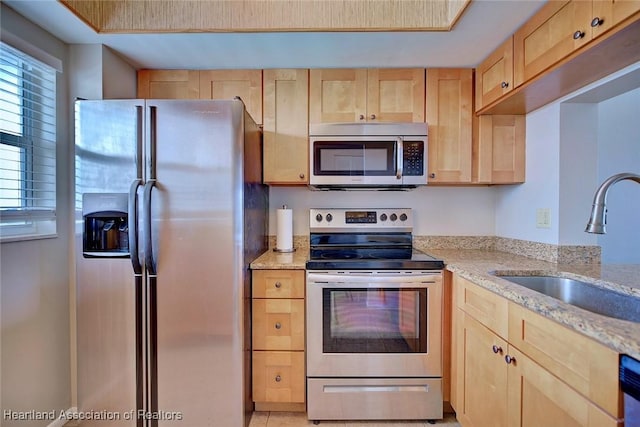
column 27, row 145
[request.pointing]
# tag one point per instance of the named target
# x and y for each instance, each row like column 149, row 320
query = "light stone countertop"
column 477, row 266
column 620, row 335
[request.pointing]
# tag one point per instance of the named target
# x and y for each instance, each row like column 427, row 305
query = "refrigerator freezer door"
column 196, row 214
column 105, row 162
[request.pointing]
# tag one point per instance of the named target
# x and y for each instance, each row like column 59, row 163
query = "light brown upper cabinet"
column 168, row 84
column 561, row 27
column 558, row 29
column 449, row 116
column 366, row 95
column 494, row 76
column 227, row 84
column 499, row 149
column 286, row 126
column 607, row 14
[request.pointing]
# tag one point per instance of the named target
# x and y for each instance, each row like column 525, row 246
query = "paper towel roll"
column 284, row 230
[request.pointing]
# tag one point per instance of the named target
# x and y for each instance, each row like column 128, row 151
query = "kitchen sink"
column 584, row 295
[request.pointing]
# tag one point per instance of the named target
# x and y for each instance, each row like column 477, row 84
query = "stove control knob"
column 319, row 218
column 383, row 217
column 329, row 217
column 394, row 217
column 403, row 217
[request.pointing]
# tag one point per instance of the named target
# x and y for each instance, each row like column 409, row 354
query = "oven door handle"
column 373, row 279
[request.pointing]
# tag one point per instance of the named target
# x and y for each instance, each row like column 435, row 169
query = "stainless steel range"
column 374, row 318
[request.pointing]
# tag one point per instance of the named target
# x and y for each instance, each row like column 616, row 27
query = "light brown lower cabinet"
column 535, row 373
column 278, row 336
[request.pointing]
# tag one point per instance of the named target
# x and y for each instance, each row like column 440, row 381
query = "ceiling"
column 482, row 27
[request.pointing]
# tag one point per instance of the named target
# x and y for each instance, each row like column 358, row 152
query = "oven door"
column 353, row 161
column 374, row 324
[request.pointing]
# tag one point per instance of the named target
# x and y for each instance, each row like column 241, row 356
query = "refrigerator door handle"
column 146, row 221
column 133, row 227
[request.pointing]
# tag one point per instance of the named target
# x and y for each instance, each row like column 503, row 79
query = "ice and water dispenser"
column 106, row 225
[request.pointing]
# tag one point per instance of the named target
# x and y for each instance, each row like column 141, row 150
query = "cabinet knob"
column 278, row 285
column 509, row 359
column 496, row 349
column 578, row 35
column 432, row 175
column 597, row 21
column 278, row 378
column 278, row 325
column 504, row 85
column 361, row 117
column 301, row 176
column 373, row 117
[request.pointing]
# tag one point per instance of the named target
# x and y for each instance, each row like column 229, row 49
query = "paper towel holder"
column 276, row 249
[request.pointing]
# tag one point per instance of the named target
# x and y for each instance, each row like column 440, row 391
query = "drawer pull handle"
column 278, row 378
column 278, row 325
column 278, row 285
column 578, row 35
column 496, row 349
column 510, row 359
column 597, row 21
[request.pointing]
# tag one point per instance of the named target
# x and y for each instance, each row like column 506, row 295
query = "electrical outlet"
column 543, row 218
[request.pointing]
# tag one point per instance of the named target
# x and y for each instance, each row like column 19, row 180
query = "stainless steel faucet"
column 598, row 220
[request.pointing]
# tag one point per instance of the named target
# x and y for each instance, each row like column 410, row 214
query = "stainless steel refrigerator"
column 170, row 211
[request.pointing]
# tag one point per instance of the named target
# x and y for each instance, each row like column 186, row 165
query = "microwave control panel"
column 413, row 158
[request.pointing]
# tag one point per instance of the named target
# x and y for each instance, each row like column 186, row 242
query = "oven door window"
column 355, row 158
column 369, row 320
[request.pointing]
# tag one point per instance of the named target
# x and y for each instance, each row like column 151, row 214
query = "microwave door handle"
column 399, row 157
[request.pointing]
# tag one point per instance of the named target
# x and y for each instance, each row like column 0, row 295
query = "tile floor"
column 299, row 419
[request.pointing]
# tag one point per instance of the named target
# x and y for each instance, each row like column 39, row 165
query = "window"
column 27, row 146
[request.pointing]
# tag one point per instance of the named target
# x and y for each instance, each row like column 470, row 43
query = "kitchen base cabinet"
column 482, row 375
column 278, row 336
column 515, row 367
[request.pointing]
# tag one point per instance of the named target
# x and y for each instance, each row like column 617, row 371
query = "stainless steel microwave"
column 368, row 155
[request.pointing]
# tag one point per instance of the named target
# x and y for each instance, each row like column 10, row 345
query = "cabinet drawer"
column 278, row 284
column 278, row 324
column 486, row 307
column 587, row 366
column 278, row 376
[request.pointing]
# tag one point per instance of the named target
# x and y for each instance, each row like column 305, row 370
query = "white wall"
column 619, row 151
column 34, row 278
column 573, row 144
column 438, row 211
column 516, row 205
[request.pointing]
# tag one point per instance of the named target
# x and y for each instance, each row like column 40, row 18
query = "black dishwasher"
column 630, row 385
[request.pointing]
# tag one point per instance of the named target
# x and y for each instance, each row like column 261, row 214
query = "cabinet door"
column 286, row 126
column 494, row 77
column 395, row 95
column 587, row 366
column 227, row 84
column 168, row 84
column 278, row 376
column 449, row 109
column 609, row 13
column 538, row 398
column 500, row 150
column 558, row 29
column 482, row 375
column 337, row 95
